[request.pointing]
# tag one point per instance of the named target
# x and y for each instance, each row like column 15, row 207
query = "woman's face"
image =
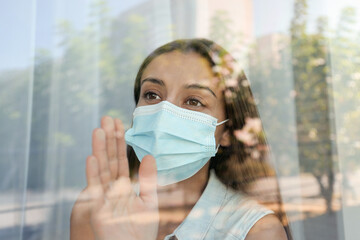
column 187, row 81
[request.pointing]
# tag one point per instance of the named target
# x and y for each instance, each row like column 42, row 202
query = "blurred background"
column 64, row 64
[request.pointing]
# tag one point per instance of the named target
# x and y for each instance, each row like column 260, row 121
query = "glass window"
column 65, row 64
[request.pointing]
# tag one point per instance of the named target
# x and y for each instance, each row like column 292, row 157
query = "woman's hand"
column 108, row 208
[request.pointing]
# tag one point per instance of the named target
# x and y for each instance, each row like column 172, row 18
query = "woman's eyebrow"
column 153, row 80
column 198, row 86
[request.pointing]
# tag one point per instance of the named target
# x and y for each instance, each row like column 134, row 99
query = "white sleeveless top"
column 220, row 213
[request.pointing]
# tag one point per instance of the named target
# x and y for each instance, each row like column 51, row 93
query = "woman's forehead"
column 180, row 66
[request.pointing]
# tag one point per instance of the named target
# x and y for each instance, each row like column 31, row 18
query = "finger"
column 148, row 180
column 107, row 123
column 89, row 197
column 92, row 172
column 123, row 165
column 99, row 151
column 94, row 191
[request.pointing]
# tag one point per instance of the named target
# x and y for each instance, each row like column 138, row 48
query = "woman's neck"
column 177, row 200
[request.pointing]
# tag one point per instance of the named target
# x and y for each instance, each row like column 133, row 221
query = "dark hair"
column 245, row 160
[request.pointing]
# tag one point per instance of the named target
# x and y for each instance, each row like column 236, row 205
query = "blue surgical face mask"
column 181, row 141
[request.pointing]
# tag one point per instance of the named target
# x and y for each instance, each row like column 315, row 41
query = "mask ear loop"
column 217, row 147
column 217, row 124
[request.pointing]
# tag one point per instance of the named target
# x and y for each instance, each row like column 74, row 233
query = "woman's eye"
column 151, row 96
column 194, row 102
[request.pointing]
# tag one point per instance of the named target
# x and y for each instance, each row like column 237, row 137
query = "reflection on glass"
column 65, row 64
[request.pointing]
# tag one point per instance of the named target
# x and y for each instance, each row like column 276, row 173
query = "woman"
column 196, row 127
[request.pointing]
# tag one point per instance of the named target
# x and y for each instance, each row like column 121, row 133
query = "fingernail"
column 119, row 123
column 109, row 121
column 100, row 134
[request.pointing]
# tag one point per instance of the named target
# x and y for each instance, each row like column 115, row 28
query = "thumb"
column 148, row 180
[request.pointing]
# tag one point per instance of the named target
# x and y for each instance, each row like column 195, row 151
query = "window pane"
column 65, row 64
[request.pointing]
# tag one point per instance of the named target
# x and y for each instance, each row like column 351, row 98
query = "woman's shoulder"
column 268, row 227
column 242, row 217
column 239, row 214
column 222, row 213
